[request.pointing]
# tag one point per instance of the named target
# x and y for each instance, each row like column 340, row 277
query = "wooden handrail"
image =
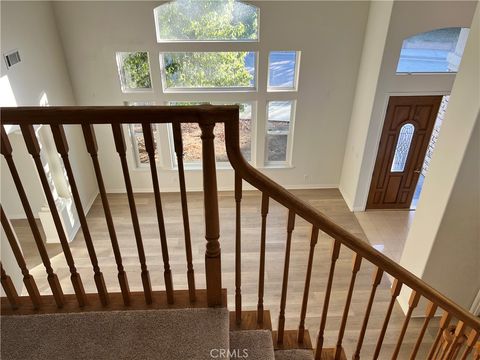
column 316, row 218
column 207, row 116
column 71, row 115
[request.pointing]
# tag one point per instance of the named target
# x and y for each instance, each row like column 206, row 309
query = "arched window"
column 209, row 20
column 403, row 147
column 436, row 51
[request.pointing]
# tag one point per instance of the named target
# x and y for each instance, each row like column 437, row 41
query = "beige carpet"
column 151, row 334
column 251, row 344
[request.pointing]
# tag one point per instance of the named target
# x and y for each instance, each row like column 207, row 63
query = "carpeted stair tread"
column 137, row 334
column 296, row 354
column 251, row 344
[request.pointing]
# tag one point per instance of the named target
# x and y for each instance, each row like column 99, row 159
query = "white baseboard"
column 90, row 202
column 17, row 216
column 475, row 308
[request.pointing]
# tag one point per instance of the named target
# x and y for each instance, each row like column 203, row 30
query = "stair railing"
column 362, row 252
column 467, row 326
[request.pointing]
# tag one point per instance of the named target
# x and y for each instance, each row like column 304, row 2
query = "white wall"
column 443, row 245
column 407, row 18
column 367, row 81
column 329, row 34
column 30, row 28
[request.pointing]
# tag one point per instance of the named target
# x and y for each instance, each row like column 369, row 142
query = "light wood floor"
column 386, row 230
column 328, row 201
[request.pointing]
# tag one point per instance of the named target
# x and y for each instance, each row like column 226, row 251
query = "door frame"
column 370, row 163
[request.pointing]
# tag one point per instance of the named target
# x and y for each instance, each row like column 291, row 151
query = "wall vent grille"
column 12, row 58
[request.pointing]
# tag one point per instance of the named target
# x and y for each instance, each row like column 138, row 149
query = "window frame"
column 191, row 165
column 167, row 90
column 258, row 96
column 289, row 150
column 296, row 74
column 184, row 41
column 126, row 90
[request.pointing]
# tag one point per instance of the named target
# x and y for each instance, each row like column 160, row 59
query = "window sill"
column 208, row 90
column 277, row 166
column 220, row 167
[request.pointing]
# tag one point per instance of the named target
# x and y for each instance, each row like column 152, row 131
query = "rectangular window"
column 192, row 144
column 134, row 71
column 279, row 128
column 208, row 71
column 136, row 134
column 282, row 70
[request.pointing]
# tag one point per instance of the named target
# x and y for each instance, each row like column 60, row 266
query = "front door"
column 406, row 133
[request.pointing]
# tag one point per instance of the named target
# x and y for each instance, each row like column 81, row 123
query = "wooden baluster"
column 9, row 288
column 412, row 304
column 213, row 269
column 150, row 147
column 238, row 249
column 6, row 150
column 444, row 321
column 455, row 345
column 178, row 142
column 286, row 267
column 62, row 148
column 121, row 147
column 28, row 279
column 34, row 149
column 261, row 271
column 377, row 277
column 357, row 260
column 472, row 339
column 92, row 148
column 395, row 291
column 306, row 289
column 429, row 313
column 326, row 301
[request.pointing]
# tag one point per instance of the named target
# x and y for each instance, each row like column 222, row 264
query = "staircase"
column 190, row 323
column 194, row 334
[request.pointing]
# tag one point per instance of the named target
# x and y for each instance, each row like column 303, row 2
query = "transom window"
column 282, row 70
column 436, row 51
column 210, row 20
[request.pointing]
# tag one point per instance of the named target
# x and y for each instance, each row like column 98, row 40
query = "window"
column 208, row 20
column 221, row 72
column 403, row 148
column 136, row 134
column 279, row 128
column 208, row 70
column 435, row 51
column 134, row 71
column 192, row 144
column 282, row 70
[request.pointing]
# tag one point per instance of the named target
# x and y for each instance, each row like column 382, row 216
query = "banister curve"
column 316, row 218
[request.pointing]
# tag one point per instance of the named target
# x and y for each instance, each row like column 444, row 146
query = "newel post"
column 213, row 269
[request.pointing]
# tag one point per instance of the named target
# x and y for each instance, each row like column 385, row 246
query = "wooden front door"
column 406, row 133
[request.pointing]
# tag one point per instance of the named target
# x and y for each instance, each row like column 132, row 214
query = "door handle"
column 416, row 171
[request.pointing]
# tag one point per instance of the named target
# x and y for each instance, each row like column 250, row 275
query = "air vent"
column 12, row 58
